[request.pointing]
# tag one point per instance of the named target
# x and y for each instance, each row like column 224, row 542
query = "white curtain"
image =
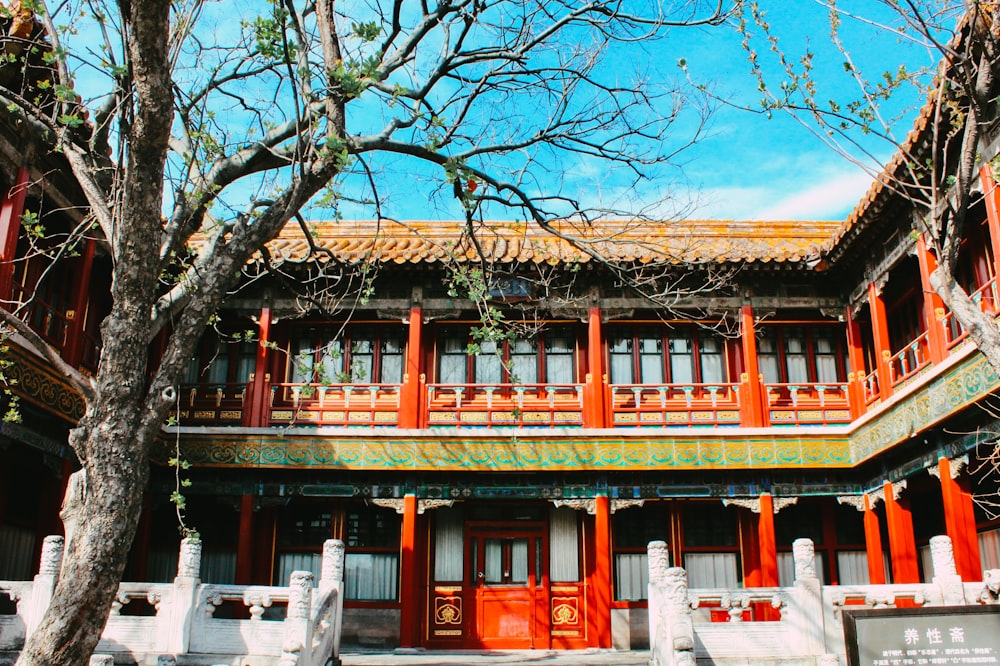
column 519, row 561
column 926, row 563
column 289, row 562
column 218, row 566
column 161, row 567
column 786, row 569
column 852, row 567
column 564, row 546
column 989, row 549
column 493, row 560
column 448, row 546
column 711, row 570
column 631, row 576
column 371, row 576
column 17, row 544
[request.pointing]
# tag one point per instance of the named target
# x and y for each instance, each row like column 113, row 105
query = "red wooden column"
column 933, row 305
column 902, row 544
column 991, row 197
column 11, row 209
column 594, row 413
column 758, row 547
column 244, row 541
column 768, row 544
column 599, row 617
column 880, row 331
column 873, row 545
column 260, row 399
column 856, row 362
column 751, row 405
column 80, row 297
column 409, row 618
column 749, row 526
column 409, row 398
column 959, row 519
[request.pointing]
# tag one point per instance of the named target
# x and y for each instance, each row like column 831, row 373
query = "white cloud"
column 824, row 194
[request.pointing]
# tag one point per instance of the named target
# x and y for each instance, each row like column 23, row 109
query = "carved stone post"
column 183, row 599
column 44, row 582
column 298, row 638
column 331, row 591
column 332, row 568
column 671, row 631
column 804, row 554
column 945, row 572
column 806, row 602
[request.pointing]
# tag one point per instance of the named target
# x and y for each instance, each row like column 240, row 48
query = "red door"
column 508, row 587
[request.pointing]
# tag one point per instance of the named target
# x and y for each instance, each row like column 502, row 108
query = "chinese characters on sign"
column 923, row 636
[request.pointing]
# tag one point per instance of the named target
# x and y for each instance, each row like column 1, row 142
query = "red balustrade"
column 504, row 405
column 333, row 404
column 644, row 405
column 821, row 403
column 910, row 360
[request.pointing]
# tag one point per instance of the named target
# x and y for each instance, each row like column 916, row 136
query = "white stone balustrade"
column 804, row 621
column 298, row 625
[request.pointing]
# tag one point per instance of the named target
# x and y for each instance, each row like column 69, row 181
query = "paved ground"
column 497, row 657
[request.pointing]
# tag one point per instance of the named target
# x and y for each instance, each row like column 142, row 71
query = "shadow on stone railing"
column 805, row 620
column 178, row 623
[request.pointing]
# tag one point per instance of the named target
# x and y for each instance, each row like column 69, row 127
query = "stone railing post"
column 44, row 583
column 297, row 627
column 671, row 630
column 331, row 581
column 183, row 599
column 806, row 603
column 945, row 573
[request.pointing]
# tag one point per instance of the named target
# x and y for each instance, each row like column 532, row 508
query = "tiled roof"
column 687, row 241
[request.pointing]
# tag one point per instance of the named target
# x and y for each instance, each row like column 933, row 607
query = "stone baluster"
column 331, row 582
column 806, row 601
column 945, row 572
column 175, row 637
column 671, row 628
column 297, row 625
column 44, row 582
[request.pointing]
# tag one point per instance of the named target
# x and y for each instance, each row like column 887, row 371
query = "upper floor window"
column 666, row 356
column 547, row 358
column 222, row 358
column 801, row 355
column 366, row 355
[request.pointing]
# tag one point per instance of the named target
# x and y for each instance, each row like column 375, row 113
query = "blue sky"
column 745, row 167
column 753, row 167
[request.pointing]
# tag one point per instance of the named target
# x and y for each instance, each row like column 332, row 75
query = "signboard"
column 923, row 636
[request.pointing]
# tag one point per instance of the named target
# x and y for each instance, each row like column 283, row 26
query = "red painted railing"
column 910, row 360
column 821, row 403
column 988, row 300
column 333, row 404
column 643, row 405
column 504, row 405
column 212, row 404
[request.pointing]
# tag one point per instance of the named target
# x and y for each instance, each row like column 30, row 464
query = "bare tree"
column 222, row 132
column 935, row 169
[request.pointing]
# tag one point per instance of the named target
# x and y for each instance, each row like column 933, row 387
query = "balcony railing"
column 333, row 404
column 642, row 405
column 212, row 404
column 988, row 300
column 910, row 360
column 504, row 405
column 824, row 403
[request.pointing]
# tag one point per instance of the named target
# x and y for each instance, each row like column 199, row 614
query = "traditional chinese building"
column 500, row 491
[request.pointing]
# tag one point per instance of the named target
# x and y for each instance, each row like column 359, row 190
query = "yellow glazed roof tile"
column 687, row 241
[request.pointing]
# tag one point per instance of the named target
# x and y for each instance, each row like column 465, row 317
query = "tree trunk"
column 981, row 327
column 98, row 546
